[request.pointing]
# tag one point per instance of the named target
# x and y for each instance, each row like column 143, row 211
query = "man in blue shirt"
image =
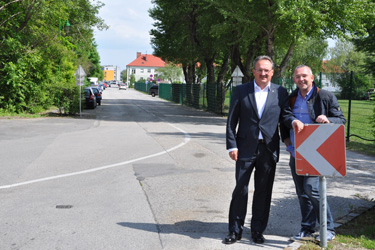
column 310, row 105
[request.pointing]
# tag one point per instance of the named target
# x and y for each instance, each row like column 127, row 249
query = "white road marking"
column 186, row 140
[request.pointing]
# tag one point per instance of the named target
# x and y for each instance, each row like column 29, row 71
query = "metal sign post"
column 323, row 211
column 80, row 75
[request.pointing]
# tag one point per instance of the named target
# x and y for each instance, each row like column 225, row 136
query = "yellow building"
column 111, row 73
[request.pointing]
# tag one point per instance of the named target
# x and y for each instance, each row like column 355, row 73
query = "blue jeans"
column 307, row 189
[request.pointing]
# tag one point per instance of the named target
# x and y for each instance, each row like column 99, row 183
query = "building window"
column 142, row 70
column 149, row 71
column 133, row 71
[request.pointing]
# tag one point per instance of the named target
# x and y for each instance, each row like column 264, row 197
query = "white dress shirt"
column 260, row 98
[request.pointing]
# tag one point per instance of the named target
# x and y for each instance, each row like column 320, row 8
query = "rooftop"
column 146, row 60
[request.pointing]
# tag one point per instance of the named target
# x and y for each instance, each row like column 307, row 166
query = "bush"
column 66, row 98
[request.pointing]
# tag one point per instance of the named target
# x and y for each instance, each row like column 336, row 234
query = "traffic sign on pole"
column 320, row 150
column 80, row 76
column 80, row 80
column 237, row 76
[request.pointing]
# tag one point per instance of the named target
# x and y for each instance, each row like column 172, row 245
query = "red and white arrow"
column 311, row 150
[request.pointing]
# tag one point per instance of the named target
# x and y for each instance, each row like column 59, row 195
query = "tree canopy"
column 39, row 55
column 220, row 32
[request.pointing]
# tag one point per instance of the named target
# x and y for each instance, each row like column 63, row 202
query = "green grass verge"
column 358, row 233
column 8, row 115
column 361, row 126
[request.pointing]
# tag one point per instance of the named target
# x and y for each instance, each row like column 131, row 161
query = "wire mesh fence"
column 354, row 93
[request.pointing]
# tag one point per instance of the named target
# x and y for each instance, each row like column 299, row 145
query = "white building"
column 144, row 67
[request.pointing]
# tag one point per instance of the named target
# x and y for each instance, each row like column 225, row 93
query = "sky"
column 129, row 31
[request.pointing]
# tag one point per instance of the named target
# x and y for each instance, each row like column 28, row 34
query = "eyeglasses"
column 266, row 71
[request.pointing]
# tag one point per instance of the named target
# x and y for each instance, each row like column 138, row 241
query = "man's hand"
column 297, row 126
column 233, row 155
column 287, row 142
column 322, row 119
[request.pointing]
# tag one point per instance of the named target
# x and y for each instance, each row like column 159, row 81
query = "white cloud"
column 129, row 27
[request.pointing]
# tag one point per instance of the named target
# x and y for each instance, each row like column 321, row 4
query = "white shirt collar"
column 257, row 88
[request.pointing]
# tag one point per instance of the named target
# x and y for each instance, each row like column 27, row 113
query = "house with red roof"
column 329, row 74
column 144, row 67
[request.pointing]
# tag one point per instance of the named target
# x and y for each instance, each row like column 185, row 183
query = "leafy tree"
column 344, row 56
column 358, row 89
column 343, row 60
column 171, row 38
column 183, row 34
column 171, row 72
column 124, row 75
column 221, row 33
column 249, row 28
column 366, row 45
column 275, row 28
column 308, row 52
column 38, row 57
column 132, row 81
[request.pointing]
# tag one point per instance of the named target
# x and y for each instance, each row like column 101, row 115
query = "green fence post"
column 320, row 80
column 181, row 90
column 350, row 105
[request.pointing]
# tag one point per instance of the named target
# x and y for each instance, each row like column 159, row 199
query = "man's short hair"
column 263, row 57
column 302, row 66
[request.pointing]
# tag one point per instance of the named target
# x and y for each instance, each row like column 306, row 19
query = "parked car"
column 98, row 94
column 98, row 87
column 102, row 86
column 154, row 90
column 90, row 99
column 122, row 85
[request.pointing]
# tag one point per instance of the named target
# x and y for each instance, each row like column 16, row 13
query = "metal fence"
column 213, row 98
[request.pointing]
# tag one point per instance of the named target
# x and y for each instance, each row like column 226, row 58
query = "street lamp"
column 66, row 25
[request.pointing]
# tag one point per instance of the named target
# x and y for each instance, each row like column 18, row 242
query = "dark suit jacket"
column 243, row 112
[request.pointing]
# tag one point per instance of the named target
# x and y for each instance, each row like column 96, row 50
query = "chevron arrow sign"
column 320, row 150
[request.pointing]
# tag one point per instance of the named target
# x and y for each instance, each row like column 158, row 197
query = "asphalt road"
column 139, row 172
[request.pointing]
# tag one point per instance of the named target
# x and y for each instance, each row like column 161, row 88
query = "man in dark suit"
column 253, row 141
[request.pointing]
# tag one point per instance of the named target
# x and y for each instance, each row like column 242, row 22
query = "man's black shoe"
column 232, row 237
column 257, row 237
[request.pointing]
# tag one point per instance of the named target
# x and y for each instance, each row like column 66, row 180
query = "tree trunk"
column 189, row 72
column 211, row 86
column 236, row 59
column 285, row 61
column 185, row 69
column 210, row 69
column 252, row 52
column 221, row 90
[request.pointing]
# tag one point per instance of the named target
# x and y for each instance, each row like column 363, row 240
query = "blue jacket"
column 321, row 102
